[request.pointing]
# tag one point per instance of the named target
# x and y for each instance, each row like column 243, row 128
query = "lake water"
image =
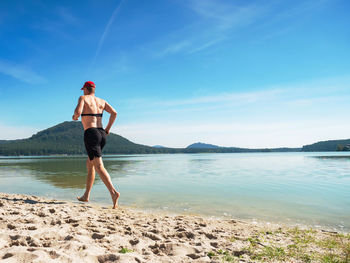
column 295, row 188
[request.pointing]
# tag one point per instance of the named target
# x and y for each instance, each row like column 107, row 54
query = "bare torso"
column 92, row 105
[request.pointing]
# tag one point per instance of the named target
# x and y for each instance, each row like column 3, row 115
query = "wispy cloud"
column 105, row 32
column 224, row 16
column 235, row 97
column 299, row 101
column 298, row 93
column 215, row 21
column 20, row 72
column 174, row 48
column 281, row 20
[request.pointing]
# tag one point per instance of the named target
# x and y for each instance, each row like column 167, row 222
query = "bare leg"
column 89, row 181
column 102, row 172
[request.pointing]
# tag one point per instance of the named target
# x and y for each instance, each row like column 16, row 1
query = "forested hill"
column 328, row 146
column 67, row 138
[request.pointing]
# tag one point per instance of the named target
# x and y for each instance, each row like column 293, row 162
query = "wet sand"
column 34, row 229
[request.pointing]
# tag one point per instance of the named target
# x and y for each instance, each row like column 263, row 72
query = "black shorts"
column 95, row 140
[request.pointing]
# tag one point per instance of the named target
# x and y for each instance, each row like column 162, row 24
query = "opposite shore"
column 35, row 229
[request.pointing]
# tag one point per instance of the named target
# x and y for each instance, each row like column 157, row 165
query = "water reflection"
column 60, row 172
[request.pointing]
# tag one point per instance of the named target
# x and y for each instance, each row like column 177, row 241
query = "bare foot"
column 83, row 199
column 115, row 198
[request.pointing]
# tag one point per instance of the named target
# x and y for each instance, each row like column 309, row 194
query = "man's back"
column 92, row 105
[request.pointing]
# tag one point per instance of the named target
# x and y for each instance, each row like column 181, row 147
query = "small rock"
column 155, row 231
column 32, row 228
column 69, row 237
column 53, row 254
column 111, row 227
column 97, row 236
column 134, row 242
column 52, row 210
column 7, row 255
column 32, row 243
column 239, row 253
column 210, row 236
column 214, row 244
column 107, row 258
column 15, row 243
column 151, row 236
column 15, row 237
column 47, row 244
column 193, row 256
column 70, row 220
column 10, row 226
column 14, row 213
column 189, row 235
column 41, row 214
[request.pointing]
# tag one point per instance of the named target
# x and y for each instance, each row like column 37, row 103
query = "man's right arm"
column 112, row 117
column 78, row 109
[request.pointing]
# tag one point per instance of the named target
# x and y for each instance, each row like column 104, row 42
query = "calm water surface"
column 305, row 188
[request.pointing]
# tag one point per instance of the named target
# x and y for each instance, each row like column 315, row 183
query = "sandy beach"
column 34, row 229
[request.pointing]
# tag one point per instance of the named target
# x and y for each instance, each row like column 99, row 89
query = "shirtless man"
column 91, row 108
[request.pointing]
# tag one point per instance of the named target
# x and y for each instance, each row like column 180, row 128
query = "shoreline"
column 250, row 220
column 36, row 229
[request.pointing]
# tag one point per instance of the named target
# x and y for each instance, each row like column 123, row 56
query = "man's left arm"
column 79, row 109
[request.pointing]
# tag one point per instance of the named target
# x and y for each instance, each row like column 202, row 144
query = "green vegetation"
column 270, row 252
column 295, row 244
column 67, row 138
column 328, row 146
column 125, row 250
column 226, row 256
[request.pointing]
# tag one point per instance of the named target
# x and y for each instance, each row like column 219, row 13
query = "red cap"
column 88, row 84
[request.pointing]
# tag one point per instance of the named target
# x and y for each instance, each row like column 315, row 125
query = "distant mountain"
column 328, row 146
column 67, row 138
column 200, row 145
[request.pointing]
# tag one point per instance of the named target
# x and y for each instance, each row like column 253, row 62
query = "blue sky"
column 231, row 73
